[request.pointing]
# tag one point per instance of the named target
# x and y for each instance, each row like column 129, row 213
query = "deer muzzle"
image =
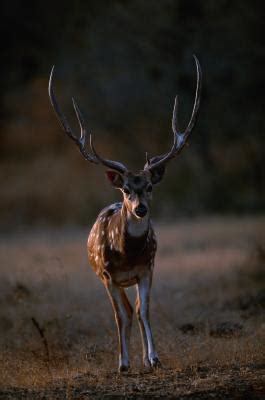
column 141, row 210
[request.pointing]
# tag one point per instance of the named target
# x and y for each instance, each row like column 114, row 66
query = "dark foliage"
column 124, row 61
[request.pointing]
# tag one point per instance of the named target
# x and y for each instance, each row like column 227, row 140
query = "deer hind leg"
column 142, row 310
column 123, row 315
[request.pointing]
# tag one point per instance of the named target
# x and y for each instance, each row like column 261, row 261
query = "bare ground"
column 57, row 332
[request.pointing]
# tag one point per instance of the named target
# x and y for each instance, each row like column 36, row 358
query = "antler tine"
column 115, row 165
column 147, row 159
column 180, row 139
column 162, row 159
column 196, row 105
column 80, row 121
column 175, row 126
column 60, row 115
column 66, row 127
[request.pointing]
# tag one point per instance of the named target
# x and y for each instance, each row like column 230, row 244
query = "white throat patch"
column 137, row 227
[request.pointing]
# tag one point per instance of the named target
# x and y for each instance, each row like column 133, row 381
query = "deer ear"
column 157, row 174
column 115, row 179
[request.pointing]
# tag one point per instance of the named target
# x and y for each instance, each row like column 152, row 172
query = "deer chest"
column 111, row 249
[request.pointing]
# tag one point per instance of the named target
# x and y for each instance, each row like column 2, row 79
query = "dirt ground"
column 58, row 336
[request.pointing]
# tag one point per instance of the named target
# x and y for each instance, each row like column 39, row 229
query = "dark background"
column 124, row 61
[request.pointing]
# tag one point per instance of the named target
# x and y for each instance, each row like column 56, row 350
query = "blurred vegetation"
column 124, row 61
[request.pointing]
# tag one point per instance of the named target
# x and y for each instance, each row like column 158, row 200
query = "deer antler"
column 81, row 142
column 180, row 139
column 115, row 165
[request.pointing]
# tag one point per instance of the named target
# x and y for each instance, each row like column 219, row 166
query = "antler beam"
column 115, row 165
column 180, row 139
column 81, row 142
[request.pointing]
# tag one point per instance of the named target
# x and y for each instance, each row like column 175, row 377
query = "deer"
column 122, row 243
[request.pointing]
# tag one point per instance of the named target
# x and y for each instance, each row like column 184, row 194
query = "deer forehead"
column 137, row 182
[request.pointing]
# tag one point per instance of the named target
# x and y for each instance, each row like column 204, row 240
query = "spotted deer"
column 122, row 242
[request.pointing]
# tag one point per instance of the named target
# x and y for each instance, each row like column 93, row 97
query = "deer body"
column 122, row 243
column 121, row 250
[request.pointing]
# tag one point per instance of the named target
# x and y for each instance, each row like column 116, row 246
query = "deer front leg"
column 142, row 309
column 146, row 361
column 123, row 315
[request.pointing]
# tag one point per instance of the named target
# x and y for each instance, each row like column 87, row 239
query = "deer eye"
column 149, row 188
column 126, row 190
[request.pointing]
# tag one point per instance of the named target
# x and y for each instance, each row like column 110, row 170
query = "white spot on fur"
column 117, row 230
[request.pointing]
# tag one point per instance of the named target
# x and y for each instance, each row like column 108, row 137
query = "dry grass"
column 57, row 332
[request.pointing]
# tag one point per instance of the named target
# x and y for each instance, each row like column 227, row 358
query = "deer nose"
column 141, row 210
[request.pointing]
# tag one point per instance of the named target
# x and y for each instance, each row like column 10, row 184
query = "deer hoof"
column 123, row 368
column 155, row 363
column 146, row 363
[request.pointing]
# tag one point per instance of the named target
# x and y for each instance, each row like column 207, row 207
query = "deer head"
column 136, row 188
